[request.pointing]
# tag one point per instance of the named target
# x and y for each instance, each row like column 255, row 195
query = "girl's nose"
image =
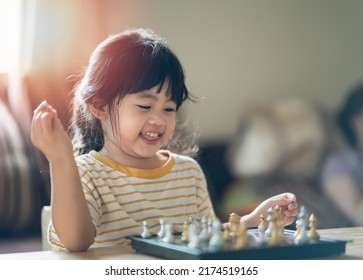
column 156, row 119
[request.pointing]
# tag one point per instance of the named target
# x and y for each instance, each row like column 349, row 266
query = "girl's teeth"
column 151, row 134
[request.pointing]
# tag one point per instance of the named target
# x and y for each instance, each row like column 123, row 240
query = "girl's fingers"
column 47, row 121
column 43, row 119
column 44, row 106
column 41, row 107
column 290, row 196
column 292, row 206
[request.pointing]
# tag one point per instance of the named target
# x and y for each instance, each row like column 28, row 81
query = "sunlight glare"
column 9, row 34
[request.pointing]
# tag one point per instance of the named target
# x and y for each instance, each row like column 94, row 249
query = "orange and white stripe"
column 120, row 198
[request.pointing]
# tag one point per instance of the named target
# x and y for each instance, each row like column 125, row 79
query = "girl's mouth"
column 150, row 138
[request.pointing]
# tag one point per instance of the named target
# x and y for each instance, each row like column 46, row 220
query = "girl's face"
column 145, row 122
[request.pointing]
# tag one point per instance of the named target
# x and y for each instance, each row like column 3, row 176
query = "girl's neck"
column 130, row 161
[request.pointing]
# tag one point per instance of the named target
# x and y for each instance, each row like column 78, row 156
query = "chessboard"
column 179, row 250
column 233, row 241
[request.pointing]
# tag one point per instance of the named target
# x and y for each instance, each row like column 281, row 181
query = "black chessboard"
column 325, row 247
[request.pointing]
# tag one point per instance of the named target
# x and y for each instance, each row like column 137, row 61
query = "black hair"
column 126, row 63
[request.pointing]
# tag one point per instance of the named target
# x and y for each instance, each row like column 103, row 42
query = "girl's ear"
column 99, row 113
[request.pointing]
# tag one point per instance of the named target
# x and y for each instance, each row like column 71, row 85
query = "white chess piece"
column 161, row 232
column 216, row 240
column 194, row 241
column 269, row 220
column 302, row 236
column 261, row 231
column 168, row 237
column 210, row 226
column 204, row 234
column 193, row 220
column 146, row 233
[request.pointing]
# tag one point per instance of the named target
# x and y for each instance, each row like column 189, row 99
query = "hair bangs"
column 150, row 65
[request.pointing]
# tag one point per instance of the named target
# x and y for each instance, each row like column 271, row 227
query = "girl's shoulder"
column 85, row 158
column 185, row 161
column 181, row 158
column 87, row 161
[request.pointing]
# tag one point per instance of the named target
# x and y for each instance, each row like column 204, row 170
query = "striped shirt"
column 121, row 198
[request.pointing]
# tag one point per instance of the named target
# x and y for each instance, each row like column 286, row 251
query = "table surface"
column 354, row 250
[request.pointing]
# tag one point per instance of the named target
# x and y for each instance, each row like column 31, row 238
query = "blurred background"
column 272, row 75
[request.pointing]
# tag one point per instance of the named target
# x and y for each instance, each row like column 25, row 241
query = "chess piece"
column 269, row 220
column 302, row 237
column 261, row 230
column 210, row 226
column 216, row 240
column 313, row 234
column 298, row 228
column 146, row 233
column 168, row 237
column 274, row 228
column 234, row 223
column 226, row 232
column 161, row 232
column 204, row 235
column 278, row 209
column 242, row 238
column 280, row 225
column 185, row 233
column 194, row 241
column 193, row 220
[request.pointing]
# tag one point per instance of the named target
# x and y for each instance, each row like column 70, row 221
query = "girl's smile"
column 150, row 138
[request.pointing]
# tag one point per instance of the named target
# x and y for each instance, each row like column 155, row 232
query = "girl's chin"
column 149, row 159
column 148, row 151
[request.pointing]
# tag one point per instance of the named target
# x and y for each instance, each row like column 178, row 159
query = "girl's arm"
column 70, row 214
column 287, row 202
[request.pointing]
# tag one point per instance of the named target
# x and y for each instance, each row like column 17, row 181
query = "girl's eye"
column 169, row 110
column 144, row 107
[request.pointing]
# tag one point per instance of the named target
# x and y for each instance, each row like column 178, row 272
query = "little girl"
column 123, row 173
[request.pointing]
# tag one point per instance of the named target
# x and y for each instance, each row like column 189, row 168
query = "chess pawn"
column 146, row 233
column 313, row 234
column 161, row 232
column 298, row 228
column 185, row 233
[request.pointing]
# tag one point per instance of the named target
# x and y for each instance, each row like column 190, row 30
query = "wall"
column 236, row 52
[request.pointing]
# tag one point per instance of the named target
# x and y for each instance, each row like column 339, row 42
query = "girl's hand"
column 287, row 202
column 48, row 135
